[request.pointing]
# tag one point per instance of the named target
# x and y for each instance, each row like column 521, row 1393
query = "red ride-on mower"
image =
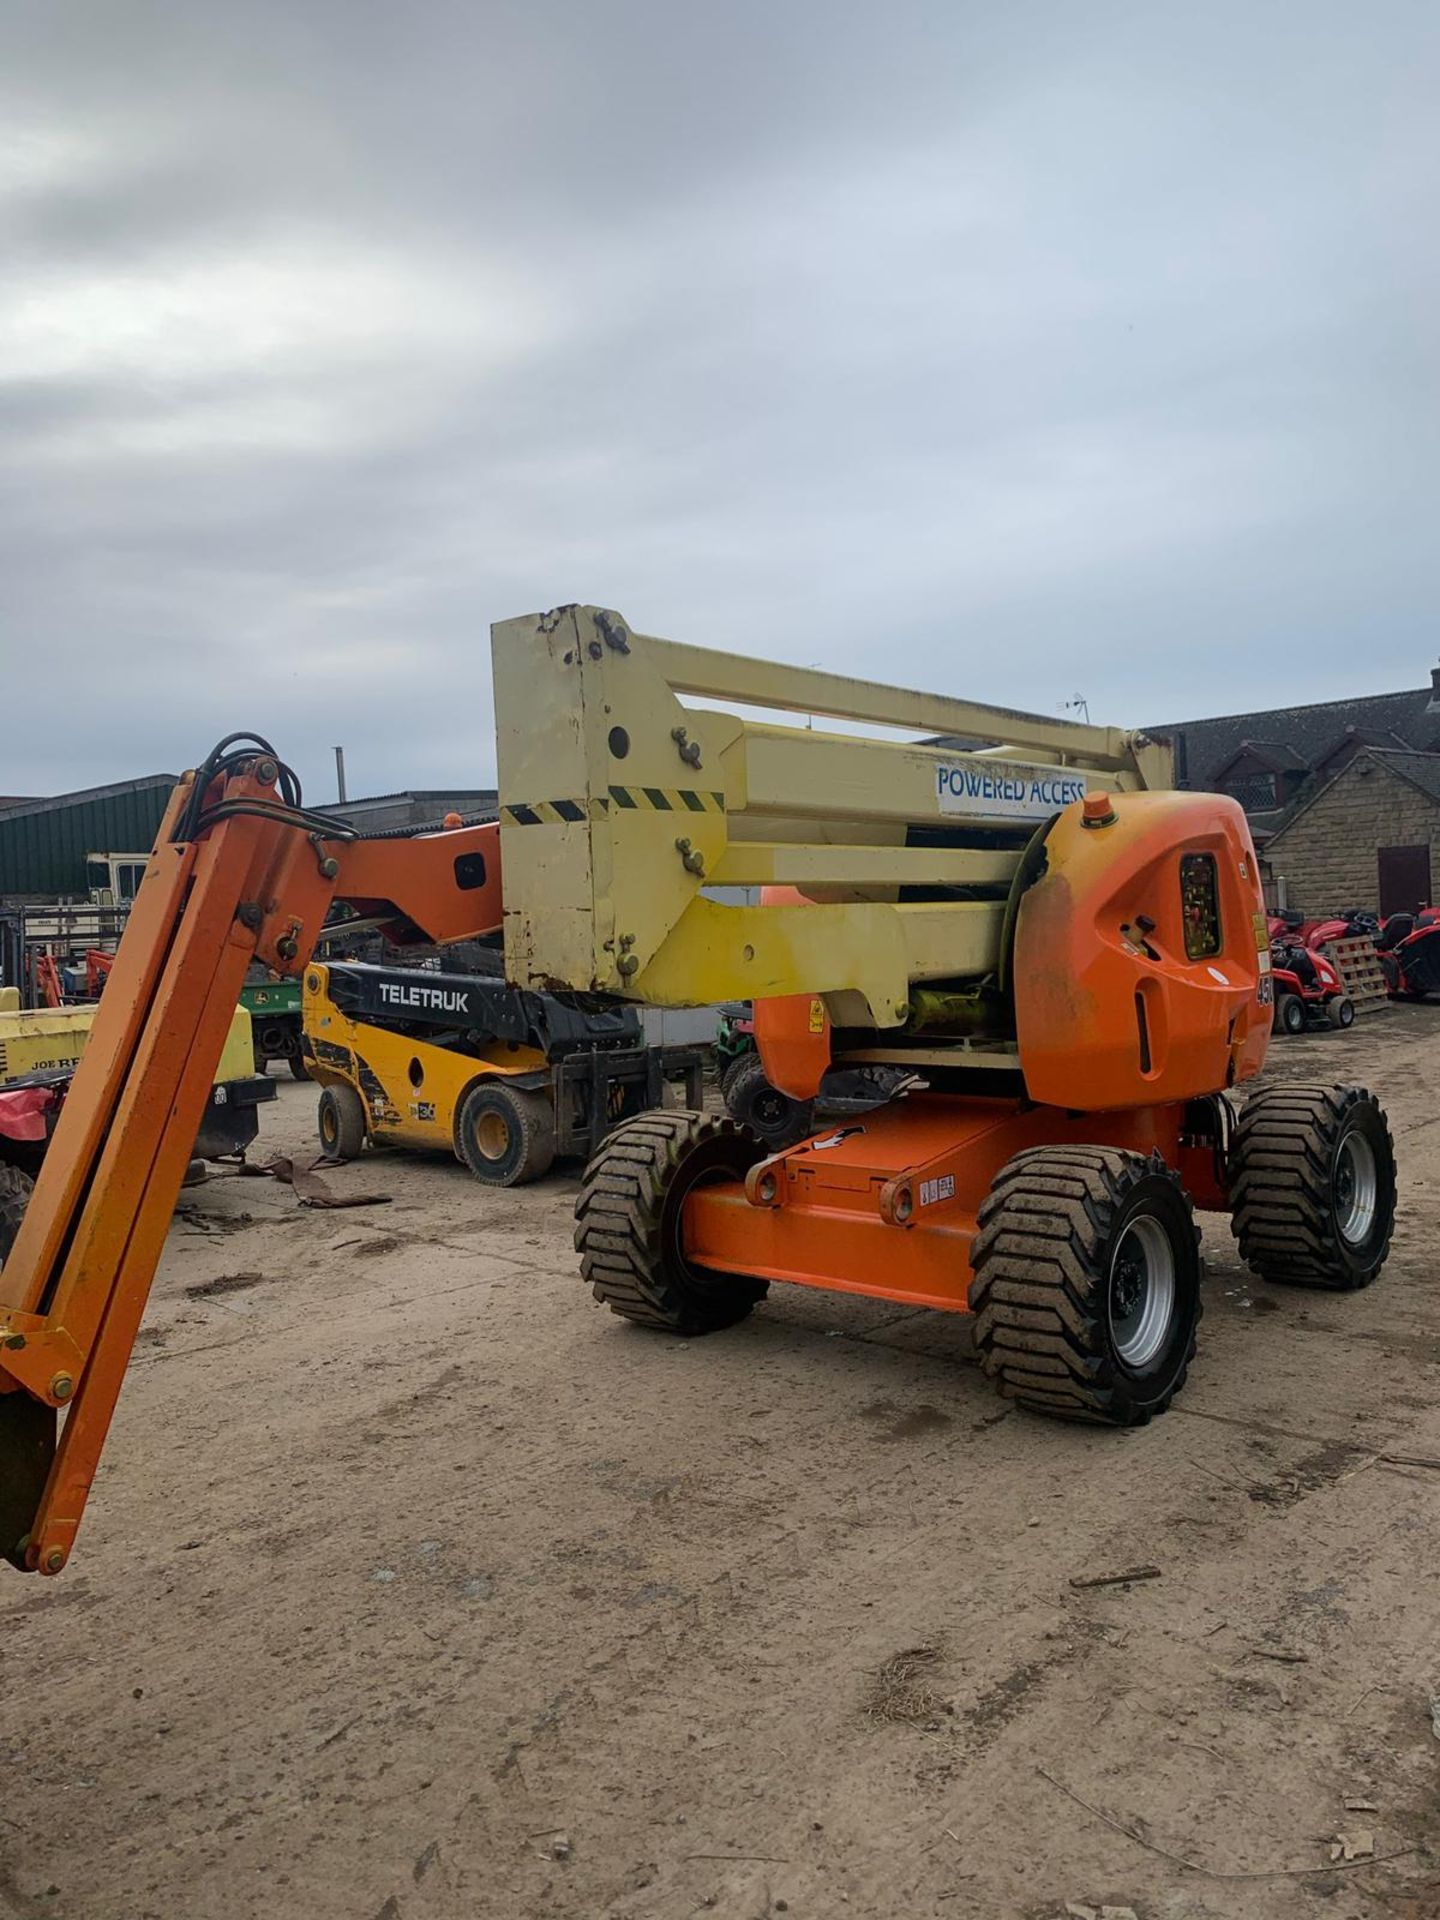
column 1308, row 990
column 1409, row 949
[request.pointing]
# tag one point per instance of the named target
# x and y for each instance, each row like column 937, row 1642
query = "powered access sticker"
column 982, row 789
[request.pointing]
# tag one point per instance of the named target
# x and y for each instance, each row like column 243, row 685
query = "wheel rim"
column 1142, row 1290
column 1357, row 1189
column 772, row 1108
column 492, row 1136
column 327, row 1124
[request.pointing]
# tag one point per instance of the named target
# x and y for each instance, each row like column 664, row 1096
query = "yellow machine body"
column 411, row 1088
column 43, row 1038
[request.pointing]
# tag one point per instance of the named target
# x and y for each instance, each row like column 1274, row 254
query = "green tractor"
column 275, row 1019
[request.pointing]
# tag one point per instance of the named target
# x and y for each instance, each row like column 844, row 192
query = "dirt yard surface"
column 416, row 1586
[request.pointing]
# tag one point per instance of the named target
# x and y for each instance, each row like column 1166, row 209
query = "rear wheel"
column 342, row 1123
column 1340, row 1012
column 774, row 1116
column 1086, row 1289
column 15, row 1191
column 1312, row 1186
column 1289, row 1013
column 298, row 1067
column 629, row 1222
column 506, row 1135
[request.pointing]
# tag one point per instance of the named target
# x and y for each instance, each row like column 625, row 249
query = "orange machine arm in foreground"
column 240, row 872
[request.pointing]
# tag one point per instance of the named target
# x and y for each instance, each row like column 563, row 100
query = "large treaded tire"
column 506, row 1135
column 1288, row 1171
column 628, row 1222
column 774, row 1117
column 1049, row 1267
column 728, row 1070
column 15, row 1190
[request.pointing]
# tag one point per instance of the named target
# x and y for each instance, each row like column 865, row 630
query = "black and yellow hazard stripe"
column 668, row 799
column 541, row 813
column 680, row 800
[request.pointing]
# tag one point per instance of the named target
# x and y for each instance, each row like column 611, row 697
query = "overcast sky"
column 1015, row 351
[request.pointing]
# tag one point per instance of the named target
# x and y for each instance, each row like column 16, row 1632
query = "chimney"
column 1432, row 705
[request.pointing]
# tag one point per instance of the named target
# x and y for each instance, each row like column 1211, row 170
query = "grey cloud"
column 1015, row 352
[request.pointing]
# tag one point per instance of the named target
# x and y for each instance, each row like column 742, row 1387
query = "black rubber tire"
column 15, row 1191
column 343, row 1123
column 1287, row 1185
column 1340, row 1012
column 1046, row 1280
column 729, row 1068
column 524, row 1151
column 298, row 1068
column 628, row 1222
column 1289, row 1013
column 770, row 1115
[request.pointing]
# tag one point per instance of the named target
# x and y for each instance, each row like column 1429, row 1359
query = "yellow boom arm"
column 623, row 811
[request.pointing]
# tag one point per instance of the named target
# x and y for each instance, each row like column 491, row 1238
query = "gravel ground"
column 415, row 1586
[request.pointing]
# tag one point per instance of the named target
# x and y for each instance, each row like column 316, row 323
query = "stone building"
column 1368, row 837
column 1271, row 760
column 1342, row 796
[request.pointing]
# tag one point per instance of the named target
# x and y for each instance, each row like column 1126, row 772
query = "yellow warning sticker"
column 1262, row 933
column 817, row 1015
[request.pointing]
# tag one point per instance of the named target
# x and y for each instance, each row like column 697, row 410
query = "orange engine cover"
column 1142, row 956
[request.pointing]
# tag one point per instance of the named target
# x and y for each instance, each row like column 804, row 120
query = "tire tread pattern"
column 1280, row 1185
column 1041, row 1277
column 619, row 1228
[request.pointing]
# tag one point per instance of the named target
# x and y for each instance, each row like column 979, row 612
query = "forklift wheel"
column 1312, row 1186
column 1086, row 1292
column 298, row 1067
column 752, row 1102
column 15, row 1188
column 505, row 1135
column 1341, row 1012
column 1289, row 1013
column 342, row 1124
column 628, row 1222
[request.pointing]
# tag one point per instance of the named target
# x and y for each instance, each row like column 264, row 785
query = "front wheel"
column 1340, row 1012
column 1086, row 1288
column 506, row 1135
column 1289, row 1013
column 1312, row 1186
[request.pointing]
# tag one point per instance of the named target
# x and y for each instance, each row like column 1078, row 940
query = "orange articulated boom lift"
column 1071, row 956
column 240, row 872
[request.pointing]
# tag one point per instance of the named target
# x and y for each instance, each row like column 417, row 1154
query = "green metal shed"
column 44, row 843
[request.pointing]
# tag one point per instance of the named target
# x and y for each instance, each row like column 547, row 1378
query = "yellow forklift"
column 506, row 1080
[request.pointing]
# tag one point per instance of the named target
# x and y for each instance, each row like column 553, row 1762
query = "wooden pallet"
column 1361, row 974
